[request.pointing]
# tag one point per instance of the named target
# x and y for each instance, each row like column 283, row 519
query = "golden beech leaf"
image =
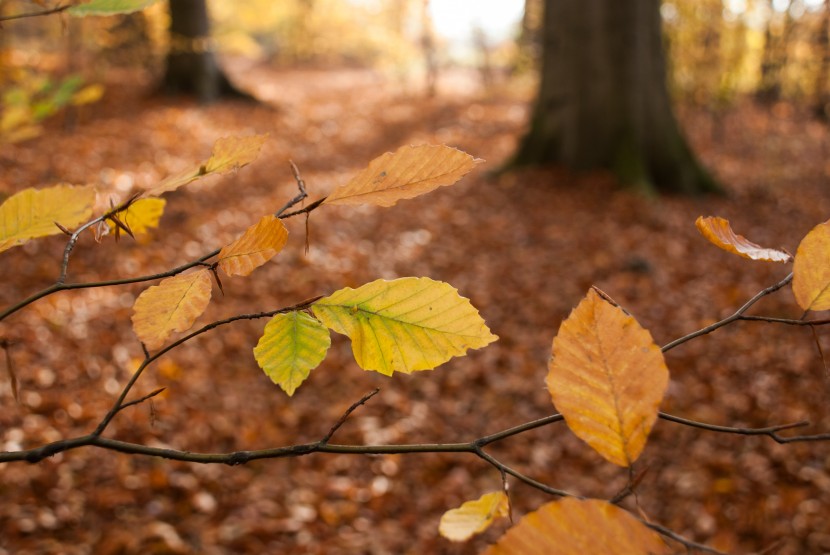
column 473, row 517
column 811, row 270
column 407, row 173
column 719, row 232
column 404, row 325
column 607, row 378
column 259, row 244
column 172, row 305
column 229, row 153
column 32, row 213
column 291, row 347
column 578, row 527
column 143, row 214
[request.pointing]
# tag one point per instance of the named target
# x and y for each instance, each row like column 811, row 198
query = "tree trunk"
column 191, row 65
column 603, row 101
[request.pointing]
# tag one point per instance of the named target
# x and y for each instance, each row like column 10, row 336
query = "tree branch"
column 736, row 316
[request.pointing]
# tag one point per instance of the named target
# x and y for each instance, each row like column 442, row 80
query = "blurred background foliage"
column 720, row 51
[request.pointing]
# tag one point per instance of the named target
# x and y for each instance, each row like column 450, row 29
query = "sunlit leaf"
column 719, row 232
column 291, row 347
column 473, row 517
column 404, row 325
column 88, row 95
column 109, row 7
column 228, row 153
column 172, row 305
column 259, row 244
column 143, row 214
column 607, row 378
column 811, row 270
column 579, row 527
column 32, row 213
column 407, row 173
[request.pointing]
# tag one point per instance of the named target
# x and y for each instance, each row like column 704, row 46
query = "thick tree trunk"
column 191, row 65
column 603, row 101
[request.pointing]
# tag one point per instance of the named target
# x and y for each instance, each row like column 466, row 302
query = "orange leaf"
column 579, row 527
column 407, row 173
column 259, row 244
column 811, row 270
column 172, row 305
column 607, row 378
column 230, row 153
column 719, row 232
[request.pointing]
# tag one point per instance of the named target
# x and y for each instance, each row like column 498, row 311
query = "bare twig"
column 142, row 399
column 301, row 196
column 49, row 11
column 688, row 544
column 348, row 413
column 736, row 316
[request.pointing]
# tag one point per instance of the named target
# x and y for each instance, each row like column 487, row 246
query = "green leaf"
column 404, row 325
column 291, row 347
column 109, row 7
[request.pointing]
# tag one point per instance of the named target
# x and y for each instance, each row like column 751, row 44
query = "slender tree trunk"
column 603, row 101
column 822, row 99
column 191, row 65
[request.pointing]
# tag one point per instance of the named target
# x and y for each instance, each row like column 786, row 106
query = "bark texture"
column 603, row 101
column 191, row 65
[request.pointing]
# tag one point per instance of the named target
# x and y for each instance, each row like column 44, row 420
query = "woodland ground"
column 523, row 246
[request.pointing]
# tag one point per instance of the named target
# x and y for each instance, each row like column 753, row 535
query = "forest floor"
column 524, row 246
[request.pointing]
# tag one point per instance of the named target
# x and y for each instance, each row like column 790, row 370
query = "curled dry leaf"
column 404, row 325
column 32, row 213
column 407, row 173
column 172, row 305
column 473, row 517
column 607, row 378
column 719, row 232
column 811, row 270
column 259, row 244
column 579, row 527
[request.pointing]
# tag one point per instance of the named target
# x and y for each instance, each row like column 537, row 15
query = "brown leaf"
column 719, row 232
column 407, row 173
column 579, row 527
column 172, row 305
column 607, row 378
column 259, row 244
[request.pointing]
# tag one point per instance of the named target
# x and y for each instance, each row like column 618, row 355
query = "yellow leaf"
column 473, row 517
column 811, row 270
column 407, row 173
column 259, row 244
column 88, row 95
column 404, row 325
column 291, row 347
column 32, row 213
column 143, row 214
column 579, row 527
column 230, row 153
column 172, row 305
column 607, row 378
column 719, row 232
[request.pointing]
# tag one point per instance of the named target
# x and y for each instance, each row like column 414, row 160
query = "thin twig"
column 49, row 11
column 305, row 210
column 689, row 544
column 348, row 413
column 142, row 399
column 736, row 316
column 300, row 185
